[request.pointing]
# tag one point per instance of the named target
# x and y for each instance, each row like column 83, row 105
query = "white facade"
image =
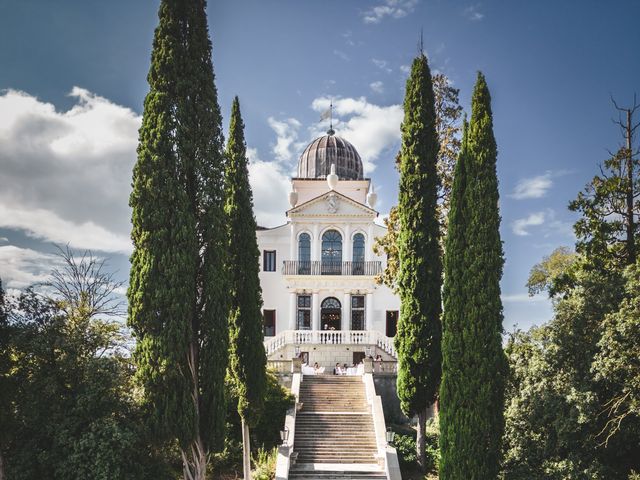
column 317, row 271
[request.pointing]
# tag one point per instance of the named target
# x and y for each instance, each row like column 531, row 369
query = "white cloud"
column 286, row 133
column 340, row 54
column 549, row 223
column 377, row 87
column 522, row 298
column 47, row 225
column 371, row 128
column 389, row 8
column 406, row 69
column 520, row 226
column 381, row 64
column 473, row 13
column 66, row 175
column 534, row 187
column 22, row 267
column 270, row 185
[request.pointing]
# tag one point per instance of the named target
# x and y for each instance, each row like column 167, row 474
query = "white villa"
column 321, row 301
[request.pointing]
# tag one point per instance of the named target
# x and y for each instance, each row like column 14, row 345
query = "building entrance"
column 330, row 314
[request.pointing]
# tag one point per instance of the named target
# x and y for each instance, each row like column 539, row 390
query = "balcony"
column 318, row 267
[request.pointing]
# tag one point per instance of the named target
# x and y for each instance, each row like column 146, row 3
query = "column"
column 315, row 244
column 347, row 254
column 346, row 312
column 292, row 246
column 368, row 311
column 315, row 311
column 368, row 251
column 293, row 298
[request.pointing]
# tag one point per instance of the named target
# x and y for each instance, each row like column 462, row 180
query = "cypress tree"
column 248, row 359
column 177, row 283
column 474, row 365
column 420, row 269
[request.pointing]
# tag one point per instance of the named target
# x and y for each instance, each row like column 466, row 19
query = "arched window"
column 331, row 253
column 304, row 254
column 330, row 314
column 330, row 303
column 357, row 267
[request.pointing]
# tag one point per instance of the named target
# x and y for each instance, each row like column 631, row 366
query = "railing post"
column 368, row 365
column 296, row 365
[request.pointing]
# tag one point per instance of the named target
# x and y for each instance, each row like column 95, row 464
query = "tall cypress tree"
column 420, row 270
column 474, row 365
column 248, row 359
column 177, row 289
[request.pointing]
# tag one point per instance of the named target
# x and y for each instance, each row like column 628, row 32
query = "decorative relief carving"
column 332, row 203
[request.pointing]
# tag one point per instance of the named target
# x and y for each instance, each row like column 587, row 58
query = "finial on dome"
column 331, row 131
column 332, row 178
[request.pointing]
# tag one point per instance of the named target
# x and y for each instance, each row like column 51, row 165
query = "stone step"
column 334, row 429
column 367, row 459
column 336, row 475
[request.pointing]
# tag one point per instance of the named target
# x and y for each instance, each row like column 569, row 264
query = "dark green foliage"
column 420, row 269
column 266, row 431
column 177, row 288
column 248, row 358
column 617, row 363
column 553, row 273
column 74, row 415
column 602, row 230
column 163, row 264
column 405, row 445
column 565, row 378
column 419, row 279
column 474, row 367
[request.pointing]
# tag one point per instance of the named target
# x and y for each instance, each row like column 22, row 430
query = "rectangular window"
column 392, row 323
column 269, row 322
column 304, row 313
column 269, row 261
column 357, row 312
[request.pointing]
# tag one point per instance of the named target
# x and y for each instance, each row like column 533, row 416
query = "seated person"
column 316, row 368
column 337, row 370
column 344, row 369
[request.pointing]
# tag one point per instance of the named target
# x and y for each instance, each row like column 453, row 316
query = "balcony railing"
column 329, row 337
column 319, row 267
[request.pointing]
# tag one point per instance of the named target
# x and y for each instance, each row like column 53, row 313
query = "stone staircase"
column 334, row 434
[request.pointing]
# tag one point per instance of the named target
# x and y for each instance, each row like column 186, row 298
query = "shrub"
column 264, row 463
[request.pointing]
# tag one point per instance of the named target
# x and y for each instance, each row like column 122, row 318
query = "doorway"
column 330, row 314
column 392, row 323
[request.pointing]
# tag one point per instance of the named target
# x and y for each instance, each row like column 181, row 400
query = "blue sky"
column 73, row 79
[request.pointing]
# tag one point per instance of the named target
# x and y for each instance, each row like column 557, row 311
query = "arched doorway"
column 330, row 314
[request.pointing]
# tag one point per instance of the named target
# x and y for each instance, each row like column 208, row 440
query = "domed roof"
column 317, row 158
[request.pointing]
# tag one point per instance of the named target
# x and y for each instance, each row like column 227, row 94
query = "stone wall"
column 328, row 355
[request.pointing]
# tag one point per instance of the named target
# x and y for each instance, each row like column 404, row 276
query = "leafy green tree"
column 177, row 288
column 448, row 113
column 474, row 366
column 617, row 362
column 562, row 409
column 419, row 256
column 248, row 358
column 608, row 230
column 6, row 383
column 553, row 273
column 73, row 411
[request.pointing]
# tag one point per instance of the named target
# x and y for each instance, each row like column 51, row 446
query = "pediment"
column 332, row 204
